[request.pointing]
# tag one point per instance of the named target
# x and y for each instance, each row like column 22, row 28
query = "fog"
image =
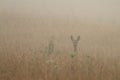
column 36, row 42
column 96, row 10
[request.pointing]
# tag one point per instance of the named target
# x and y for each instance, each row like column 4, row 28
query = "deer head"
column 75, row 42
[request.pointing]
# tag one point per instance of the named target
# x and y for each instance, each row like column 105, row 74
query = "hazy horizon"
column 97, row 10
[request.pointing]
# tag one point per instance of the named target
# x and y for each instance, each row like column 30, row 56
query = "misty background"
column 32, row 23
column 96, row 10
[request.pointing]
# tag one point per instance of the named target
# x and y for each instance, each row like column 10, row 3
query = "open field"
column 25, row 50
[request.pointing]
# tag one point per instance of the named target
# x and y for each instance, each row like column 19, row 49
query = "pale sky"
column 98, row 9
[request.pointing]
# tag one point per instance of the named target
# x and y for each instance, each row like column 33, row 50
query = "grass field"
column 25, row 53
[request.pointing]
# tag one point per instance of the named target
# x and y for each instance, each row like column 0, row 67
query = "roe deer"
column 75, row 42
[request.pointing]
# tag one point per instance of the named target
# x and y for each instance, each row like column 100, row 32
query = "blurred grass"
column 24, row 54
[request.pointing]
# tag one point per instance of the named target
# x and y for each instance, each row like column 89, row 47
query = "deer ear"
column 71, row 37
column 78, row 38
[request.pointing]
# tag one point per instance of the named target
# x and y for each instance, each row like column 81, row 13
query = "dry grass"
column 24, row 50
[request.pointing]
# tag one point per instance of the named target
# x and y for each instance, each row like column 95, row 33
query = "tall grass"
column 26, row 55
column 36, row 66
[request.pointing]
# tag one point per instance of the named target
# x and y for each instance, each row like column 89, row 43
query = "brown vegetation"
column 27, row 53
